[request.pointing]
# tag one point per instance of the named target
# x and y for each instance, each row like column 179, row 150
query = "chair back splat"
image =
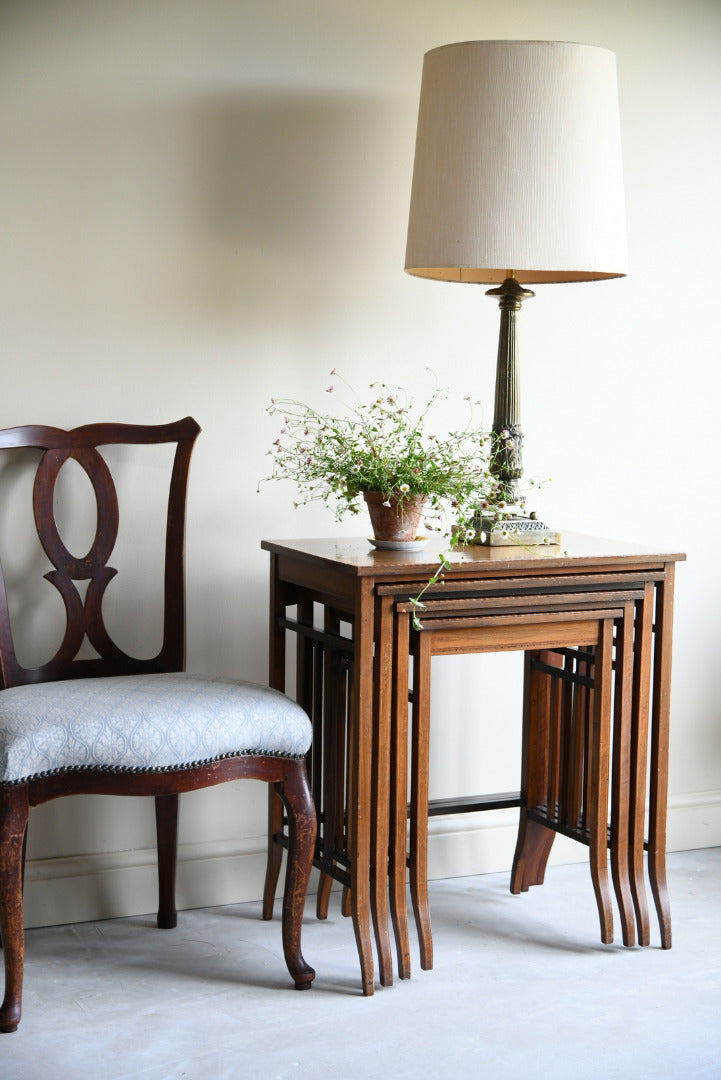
column 113, row 723
column 81, row 445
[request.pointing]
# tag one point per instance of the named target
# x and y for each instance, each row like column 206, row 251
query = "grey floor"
column 521, row 987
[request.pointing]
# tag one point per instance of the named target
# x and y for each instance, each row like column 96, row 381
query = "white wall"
column 204, row 204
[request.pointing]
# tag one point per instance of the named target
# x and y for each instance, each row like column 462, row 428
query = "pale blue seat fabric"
column 143, row 722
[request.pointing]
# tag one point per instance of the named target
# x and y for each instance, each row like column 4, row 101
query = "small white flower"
column 386, row 502
column 404, row 488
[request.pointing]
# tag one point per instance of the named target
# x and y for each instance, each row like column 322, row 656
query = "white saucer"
column 399, row 545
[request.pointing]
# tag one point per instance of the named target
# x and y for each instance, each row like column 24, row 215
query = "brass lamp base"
column 513, row 531
column 506, row 464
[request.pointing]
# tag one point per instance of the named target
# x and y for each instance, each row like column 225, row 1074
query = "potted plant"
column 386, row 452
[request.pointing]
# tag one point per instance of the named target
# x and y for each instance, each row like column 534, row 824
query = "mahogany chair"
column 116, row 725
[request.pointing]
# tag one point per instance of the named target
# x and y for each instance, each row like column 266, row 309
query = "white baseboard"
column 112, row 885
column 82, row 888
column 485, row 843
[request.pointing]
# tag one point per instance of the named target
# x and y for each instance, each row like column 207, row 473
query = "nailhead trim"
column 139, row 770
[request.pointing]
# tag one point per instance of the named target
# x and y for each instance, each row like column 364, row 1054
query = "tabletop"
column 356, row 556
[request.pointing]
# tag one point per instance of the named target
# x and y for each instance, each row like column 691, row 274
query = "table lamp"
column 517, row 180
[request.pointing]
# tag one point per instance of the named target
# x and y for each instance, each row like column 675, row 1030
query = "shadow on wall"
column 297, row 175
column 299, row 189
column 193, row 208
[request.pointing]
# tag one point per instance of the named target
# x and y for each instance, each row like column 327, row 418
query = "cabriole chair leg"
column 13, row 827
column 298, row 801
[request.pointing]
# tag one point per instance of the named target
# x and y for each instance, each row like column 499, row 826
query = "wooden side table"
column 344, row 594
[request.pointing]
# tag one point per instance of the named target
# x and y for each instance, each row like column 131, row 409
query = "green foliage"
column 387, row 444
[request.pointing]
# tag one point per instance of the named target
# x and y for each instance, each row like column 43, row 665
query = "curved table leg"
column 383, row 685
column 399, row 796
column 534, row 842
column 658, row 793
column 322, row 899
column 360, row 745
column 643, row 640
column 620, row 815
column 598, row 781
column 420, row 742
column 532, row 850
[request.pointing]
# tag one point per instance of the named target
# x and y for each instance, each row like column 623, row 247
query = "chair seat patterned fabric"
column 155, row 722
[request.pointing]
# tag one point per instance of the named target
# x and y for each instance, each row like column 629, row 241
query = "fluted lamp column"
column 517, row 180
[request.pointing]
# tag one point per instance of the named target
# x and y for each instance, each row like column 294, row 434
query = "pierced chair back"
column 85, row 617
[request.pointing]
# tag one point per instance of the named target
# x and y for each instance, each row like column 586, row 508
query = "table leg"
column 534, row 842
column 598, row 780
column 643, row 641
column 621, row 773
column 359, row 781
column 276, row 679
column 399, row 795
column 383, row 685
column 420, row 745
column 333, row 769
column 345, row 902
column 658, row 792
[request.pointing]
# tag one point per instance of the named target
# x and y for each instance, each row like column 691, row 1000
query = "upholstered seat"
column 155, row 723
column 113, row 724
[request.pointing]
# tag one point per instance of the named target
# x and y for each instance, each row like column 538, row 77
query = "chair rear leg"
column 13, row 827
column 275, row 851
column 166, row 822
column 298, row 801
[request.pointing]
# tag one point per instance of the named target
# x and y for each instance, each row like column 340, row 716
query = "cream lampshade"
column 517, row 180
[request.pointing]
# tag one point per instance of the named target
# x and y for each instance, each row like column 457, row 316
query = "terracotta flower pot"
column 397, row 520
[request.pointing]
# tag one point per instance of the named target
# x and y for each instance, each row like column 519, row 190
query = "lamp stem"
column 507, row 437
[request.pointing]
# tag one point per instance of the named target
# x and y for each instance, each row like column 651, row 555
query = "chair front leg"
column 166, row 822
column 13, row 827
column 295, row 793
